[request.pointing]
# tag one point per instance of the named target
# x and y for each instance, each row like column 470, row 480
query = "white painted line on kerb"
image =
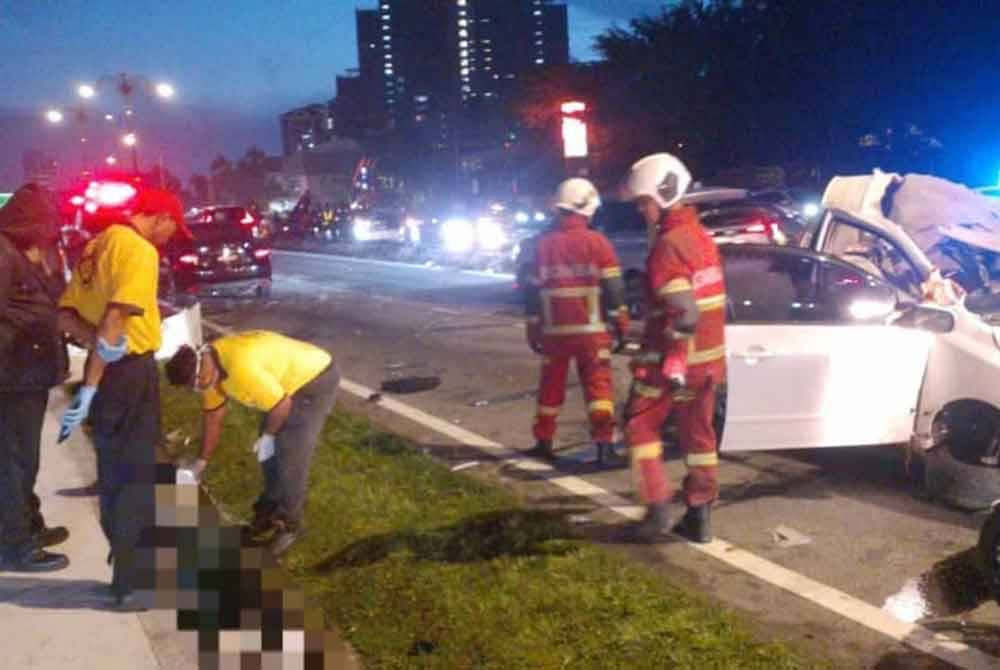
column 838, row 602
column 315, row 255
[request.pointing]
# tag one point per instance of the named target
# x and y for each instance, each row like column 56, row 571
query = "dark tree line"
column 832, row 85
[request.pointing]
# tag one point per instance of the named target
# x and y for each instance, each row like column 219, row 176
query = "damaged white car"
column 859, row 338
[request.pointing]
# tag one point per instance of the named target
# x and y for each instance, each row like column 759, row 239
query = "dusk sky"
column 236, row 64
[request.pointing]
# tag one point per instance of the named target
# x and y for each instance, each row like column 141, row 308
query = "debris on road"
column 411, row 384
column 464, row 466
column 787, row 538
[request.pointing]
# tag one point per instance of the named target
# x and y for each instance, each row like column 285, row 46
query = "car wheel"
column 989, row 551
column 953, row 471
column 263, row 291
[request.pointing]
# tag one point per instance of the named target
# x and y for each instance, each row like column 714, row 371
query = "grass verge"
column 420, row 567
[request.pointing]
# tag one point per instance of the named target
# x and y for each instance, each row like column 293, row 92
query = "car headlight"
column 810, row 210
column 459, row 235
column 521, row 217
column 539, row 216
column 490, row 234
column 362, row 229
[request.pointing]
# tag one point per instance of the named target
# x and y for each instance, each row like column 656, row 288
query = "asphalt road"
column 851, row 519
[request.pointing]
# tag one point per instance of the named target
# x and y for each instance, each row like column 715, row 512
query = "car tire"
column 989, row 551
column 949, row 480
column 953, row 472
column 263, row 292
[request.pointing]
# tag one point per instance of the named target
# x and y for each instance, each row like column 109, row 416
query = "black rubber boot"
column 33, row 559
column 696, row 525
column 655, row 526
column 607, row 454
column 542, row 449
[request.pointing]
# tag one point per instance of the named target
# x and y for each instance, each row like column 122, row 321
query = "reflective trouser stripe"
column 649, row 450
column 707, row 355
column 606, row 406
column 701, row 460
column 647, row 391
column 714, row 302
column 675, row 286
column 587, row 329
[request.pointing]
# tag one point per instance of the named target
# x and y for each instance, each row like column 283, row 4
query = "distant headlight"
column 810, row 210
column 362, row 230
column 459, row 235
column 539, row 216
column 521, row 217
column 490, row 234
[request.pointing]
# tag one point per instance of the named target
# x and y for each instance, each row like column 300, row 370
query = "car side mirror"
column 924, row 317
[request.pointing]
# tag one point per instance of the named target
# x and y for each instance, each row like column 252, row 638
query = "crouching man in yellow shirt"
column 294, row 385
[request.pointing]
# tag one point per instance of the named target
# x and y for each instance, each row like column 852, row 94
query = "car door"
column 811, row 363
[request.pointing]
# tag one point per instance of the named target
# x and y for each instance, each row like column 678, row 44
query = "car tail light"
column 189, row 259
column 247, row 219
column 764, row 224
column 262, row 253
column 111, row 193
column 77, row 200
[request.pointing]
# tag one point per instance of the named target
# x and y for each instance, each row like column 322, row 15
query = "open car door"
column 810, row 363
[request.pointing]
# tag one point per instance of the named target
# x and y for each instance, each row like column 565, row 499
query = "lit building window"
column 537, row 12
column 463, row 44
column 539, row 61
column 386, row 38
column 463, row 33
column 463, row 23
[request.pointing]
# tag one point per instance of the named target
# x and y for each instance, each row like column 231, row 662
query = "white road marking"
column 315, row 255
column 854, row 609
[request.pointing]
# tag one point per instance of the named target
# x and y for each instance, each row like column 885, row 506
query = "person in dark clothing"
column 32, row 361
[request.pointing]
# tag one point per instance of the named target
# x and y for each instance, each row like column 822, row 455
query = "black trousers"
column 21, row 418
column 125, row 417
column 286, row 474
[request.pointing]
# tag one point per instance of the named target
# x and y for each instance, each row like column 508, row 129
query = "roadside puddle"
column 952, row 586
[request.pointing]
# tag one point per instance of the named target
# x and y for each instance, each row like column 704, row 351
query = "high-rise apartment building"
column 424, row 62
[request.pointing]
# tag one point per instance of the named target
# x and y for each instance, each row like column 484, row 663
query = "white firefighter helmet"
column 579, row 196
column 663, row 177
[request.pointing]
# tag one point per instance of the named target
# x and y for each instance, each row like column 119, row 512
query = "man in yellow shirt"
column 110, row 308
column 293, row 384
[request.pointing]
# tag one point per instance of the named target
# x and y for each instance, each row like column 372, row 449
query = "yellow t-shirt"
column 119, row 266
column 262, row 367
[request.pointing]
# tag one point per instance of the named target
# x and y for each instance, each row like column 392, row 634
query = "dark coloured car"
column 226, row 255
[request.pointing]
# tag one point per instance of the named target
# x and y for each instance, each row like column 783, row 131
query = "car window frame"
column 819, row 260
column 835, row 220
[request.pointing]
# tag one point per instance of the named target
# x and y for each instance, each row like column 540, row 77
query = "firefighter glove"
column 533, row 333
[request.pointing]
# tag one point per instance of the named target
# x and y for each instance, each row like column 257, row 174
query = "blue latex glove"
column 77, row 411
column 112, row 353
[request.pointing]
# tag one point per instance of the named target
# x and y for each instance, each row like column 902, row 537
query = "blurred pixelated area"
column 228, row 592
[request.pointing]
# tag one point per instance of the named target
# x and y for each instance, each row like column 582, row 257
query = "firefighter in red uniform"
column 683, row 357
column 575, row 297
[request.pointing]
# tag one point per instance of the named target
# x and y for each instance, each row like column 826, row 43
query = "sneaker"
column 50, row 537
column 34, row 559
column 285, row 535
column 655, row 527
